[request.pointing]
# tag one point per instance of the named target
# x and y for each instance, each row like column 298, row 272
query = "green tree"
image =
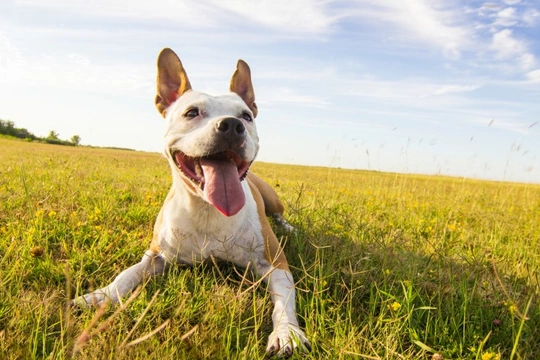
column 53, row 135
column 76, row 140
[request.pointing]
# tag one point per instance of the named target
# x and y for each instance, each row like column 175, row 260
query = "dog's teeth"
column 198, row 169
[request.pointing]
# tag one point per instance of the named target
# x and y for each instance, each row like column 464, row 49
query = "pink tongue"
column 222, row 186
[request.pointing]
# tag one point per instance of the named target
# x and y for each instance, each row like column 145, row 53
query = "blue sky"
column 419, row 86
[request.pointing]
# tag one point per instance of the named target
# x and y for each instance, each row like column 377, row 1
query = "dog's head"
column 211, row 140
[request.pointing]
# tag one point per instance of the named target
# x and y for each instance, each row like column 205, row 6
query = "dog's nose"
column 231, row 126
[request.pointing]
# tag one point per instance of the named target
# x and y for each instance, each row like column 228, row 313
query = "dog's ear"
column 172, row 80
column 241, row 84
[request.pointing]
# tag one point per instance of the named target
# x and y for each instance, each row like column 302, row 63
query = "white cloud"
column 494, row 16
column 72, row 71
column 419, row 21
column 300, row 16
column 285, row 15
column 290, row 95
column 505, row 44
column 534, row 75
column 507, row 47
column 527, row 61
column 512, row 2
column 531, row 17
column 421, row 94
column 506, row 17
column 448, row 89
column 195, row 14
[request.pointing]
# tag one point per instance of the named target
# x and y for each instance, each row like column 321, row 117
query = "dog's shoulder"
column 267, row 195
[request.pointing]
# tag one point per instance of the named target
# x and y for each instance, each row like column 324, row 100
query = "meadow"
column 388, row 266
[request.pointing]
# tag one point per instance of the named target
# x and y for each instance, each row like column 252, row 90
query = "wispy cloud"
column 512, row 2
column 531, row 17
column 506, row 17
column 507, row 47
column 300, row 16
column 285, row 95
column 71, row 71
column 468, row 35
column 419, row 93
column 534, row 75
column 304, row 16
column 435, row 23
column 449, row 89
column 192, row 14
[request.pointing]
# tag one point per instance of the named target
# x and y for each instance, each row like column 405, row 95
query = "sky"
column 408, row 86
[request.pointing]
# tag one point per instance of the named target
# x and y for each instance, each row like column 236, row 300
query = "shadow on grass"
column 373, row 291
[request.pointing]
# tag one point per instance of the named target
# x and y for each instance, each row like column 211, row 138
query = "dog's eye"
column 246, row 116
column 192, row 113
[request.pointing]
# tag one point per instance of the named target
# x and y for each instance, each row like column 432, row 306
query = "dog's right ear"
column 172, row 80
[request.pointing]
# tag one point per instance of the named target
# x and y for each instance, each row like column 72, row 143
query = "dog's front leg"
column 286, row 335
column 150, row 265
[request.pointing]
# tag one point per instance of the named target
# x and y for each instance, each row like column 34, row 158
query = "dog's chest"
column 194, row 234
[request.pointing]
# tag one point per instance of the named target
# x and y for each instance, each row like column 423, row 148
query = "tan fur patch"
column 274, row 253
column 272, row 204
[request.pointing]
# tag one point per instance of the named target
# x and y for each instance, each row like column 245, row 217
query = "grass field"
column 388, row 266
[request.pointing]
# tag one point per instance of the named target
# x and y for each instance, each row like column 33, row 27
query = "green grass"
column 388, row 266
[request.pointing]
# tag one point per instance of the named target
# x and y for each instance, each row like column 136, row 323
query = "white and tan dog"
column 214, row 208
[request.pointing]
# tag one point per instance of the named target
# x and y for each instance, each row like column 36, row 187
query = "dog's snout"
column 231, row 126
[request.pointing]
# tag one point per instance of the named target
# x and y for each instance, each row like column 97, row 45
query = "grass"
column 388, row 266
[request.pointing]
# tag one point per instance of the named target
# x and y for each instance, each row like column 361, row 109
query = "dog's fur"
column 211, row 211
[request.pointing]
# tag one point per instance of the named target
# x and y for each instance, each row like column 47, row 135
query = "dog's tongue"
column 222, row 186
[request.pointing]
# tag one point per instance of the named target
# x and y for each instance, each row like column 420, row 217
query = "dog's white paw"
column 95, row 298
column 282, row 223
column 288, row 228
column 286, row 339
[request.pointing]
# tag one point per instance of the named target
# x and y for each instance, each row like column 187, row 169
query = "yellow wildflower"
column 490, row 356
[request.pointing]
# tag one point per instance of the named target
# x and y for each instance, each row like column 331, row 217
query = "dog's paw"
column 282, row 223
column 287, row 339
column 95, row 298
column 288, row 228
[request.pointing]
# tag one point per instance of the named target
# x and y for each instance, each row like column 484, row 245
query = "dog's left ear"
column 241, row 85
column 172, row 80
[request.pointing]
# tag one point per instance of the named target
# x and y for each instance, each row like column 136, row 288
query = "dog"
column 215, row 208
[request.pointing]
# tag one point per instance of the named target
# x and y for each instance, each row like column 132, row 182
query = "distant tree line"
column 7, row 127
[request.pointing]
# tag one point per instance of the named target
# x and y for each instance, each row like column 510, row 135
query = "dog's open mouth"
column 219, row 176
